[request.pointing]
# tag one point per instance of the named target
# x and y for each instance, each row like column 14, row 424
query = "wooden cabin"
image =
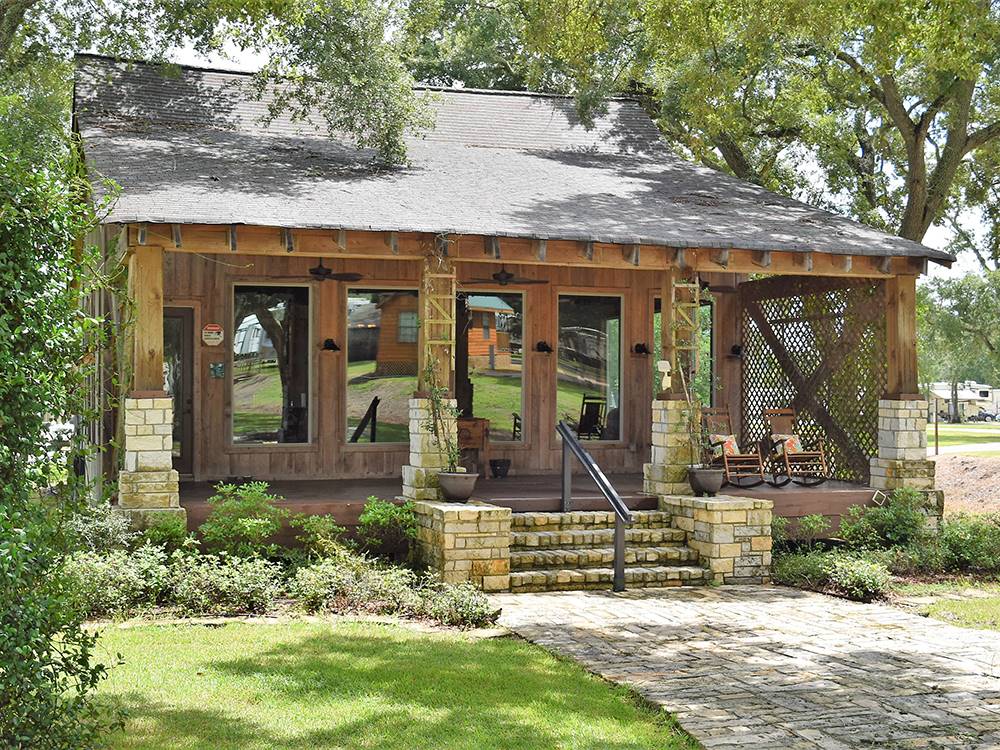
column 808, row 309
column 489, row 346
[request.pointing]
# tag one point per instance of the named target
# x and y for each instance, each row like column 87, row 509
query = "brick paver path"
column 770, row 667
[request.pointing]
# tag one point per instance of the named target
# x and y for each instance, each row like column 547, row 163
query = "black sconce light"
column 736, row 350
column 640, row 349
column 329, row 345
column 541, row 346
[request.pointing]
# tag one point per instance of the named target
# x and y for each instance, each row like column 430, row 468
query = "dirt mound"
column 970, row 483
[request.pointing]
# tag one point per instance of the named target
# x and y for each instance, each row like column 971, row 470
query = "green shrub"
column 119, row 583
column 857, row 578
column 385, row 529
column 811, row 528
column 169, row 533
column 971, row 543
column 898, row 523
column 347, row 582
column 223, row 585
column 809, row 570
column 99, row 528
column 779, row 529
column 321, row 535
column 242, row 519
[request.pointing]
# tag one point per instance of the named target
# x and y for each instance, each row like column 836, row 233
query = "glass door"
column 178, row 346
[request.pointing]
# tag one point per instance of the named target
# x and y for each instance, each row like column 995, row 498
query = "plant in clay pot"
column 704, row 478
column 457, row 485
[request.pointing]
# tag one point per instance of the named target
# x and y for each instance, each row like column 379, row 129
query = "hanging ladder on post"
column 687, row 326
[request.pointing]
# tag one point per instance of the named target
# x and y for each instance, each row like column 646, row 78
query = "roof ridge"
column 416, row 87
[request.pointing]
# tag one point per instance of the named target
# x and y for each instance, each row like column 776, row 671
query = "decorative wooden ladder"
column 686, row 301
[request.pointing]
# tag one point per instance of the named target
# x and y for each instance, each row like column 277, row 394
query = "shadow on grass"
column 373, row 689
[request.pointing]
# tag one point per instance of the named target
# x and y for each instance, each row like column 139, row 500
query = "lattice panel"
column 819, row 346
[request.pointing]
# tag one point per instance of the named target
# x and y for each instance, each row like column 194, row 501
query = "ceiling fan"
column 503, row 277
column 322, row 273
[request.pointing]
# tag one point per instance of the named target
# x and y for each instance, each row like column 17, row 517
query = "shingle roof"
column 193, row 150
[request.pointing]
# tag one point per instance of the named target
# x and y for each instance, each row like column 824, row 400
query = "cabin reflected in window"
column 588, row 387
column 270, row 374
column 382, row 332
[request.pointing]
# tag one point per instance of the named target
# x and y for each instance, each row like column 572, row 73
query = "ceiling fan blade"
column 346, row 276
column 528, row 281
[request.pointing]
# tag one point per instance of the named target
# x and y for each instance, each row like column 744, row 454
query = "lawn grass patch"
column 977, row 612
column 362, row 685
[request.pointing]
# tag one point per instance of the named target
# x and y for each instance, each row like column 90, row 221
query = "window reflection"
column 271, row 364
column 382, row 332
column 589, row 365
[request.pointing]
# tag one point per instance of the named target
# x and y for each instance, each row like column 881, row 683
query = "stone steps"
column 586, row 520
column 602, row 578
column 600, row 537
column 597, row 557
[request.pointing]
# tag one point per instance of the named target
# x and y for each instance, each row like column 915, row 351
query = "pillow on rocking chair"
column 723, row 445
column 790, row 444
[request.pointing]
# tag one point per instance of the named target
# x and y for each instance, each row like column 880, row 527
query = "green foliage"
column 386, row 529
column 98, row 528
column 897, row 523
column 169, row 533
column 779, row 529
column 223, row 585
column 849, row 575
column 347, row 582
column 242, row 519
column 49, row 668
column 971, row 543
column 859, row 579
column 321, row 535
column 118, row 583
column 811, row 527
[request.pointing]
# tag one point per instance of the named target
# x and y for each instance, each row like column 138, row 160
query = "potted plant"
column 457, row 485
column 704, row 478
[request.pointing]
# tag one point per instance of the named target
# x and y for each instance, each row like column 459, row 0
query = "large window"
column 588, row 389
column 496, row 360
column 381, row 364
column 271, row 364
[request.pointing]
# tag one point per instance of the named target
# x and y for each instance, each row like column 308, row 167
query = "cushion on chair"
column 724, row 445
column 790, row 444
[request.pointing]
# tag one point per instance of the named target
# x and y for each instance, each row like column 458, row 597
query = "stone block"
column 144, row 518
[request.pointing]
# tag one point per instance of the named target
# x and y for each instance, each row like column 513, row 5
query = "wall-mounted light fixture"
column 640, row 349
column 736, row 350
column 543, row 347
column 329, row 345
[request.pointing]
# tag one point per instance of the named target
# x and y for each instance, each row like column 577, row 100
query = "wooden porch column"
column 145, row 290
column 901, row 338
column 667, row 353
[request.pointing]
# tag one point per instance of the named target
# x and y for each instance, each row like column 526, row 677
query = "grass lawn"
column 964, row 434
column 361, row 685
column 966, row 602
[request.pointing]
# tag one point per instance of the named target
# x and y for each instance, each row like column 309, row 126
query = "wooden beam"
column 288, row 240
column 631, row 254
column 681, row 258
column 145, row 289
column 762, row 258
column 175, row 231
column 143, row 233
column 847, row 262
column 231, row 238
column 588, row 250
column 392, row 242
column 901, row 337
column 721, row 258
column 666, row 328
column 492, row 247
column 441, row 243
column 885, row 264
column 806, row 260
column 541, row 250
column 342, row 239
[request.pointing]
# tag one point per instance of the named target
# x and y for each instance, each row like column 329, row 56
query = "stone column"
column 902, row 447
column 427, row 457
column 465, row 542
column 147, row 483
column 670, row 449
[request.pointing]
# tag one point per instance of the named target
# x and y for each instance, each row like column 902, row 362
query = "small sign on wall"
column 212, row 334
column 217, row 369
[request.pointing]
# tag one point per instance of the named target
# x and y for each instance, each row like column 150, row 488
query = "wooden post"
column 145, row 289
column 436, row 338
column 667, row 326
column 901, row 338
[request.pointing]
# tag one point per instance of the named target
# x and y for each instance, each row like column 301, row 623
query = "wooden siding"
column 205, row 282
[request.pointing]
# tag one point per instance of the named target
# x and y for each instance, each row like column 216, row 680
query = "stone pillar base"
column 144, row 518
column 147, row 480
column 427, row 458
column 902, row 447
column 670, row 449
column 732, row 535
column 465, row 542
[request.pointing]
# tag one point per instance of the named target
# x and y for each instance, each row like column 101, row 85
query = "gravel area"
column 970, row 483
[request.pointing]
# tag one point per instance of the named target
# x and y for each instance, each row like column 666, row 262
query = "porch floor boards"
column 345, row 498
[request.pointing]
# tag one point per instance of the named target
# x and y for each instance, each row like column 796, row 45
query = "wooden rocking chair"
column 790, row 459
column 742, row 469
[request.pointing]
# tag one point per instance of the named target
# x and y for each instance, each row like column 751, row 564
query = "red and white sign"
column 212, row 334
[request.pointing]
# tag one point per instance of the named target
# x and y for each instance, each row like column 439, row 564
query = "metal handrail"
column 623, row 516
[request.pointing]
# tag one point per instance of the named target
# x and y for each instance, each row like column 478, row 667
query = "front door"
column 178, row 377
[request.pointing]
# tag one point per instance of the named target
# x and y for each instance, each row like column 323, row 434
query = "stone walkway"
column 771, row 667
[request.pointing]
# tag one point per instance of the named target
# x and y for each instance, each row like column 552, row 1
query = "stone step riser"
column 586, row 520
column 602, row 578
column 585, row 538
column 599, row 557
